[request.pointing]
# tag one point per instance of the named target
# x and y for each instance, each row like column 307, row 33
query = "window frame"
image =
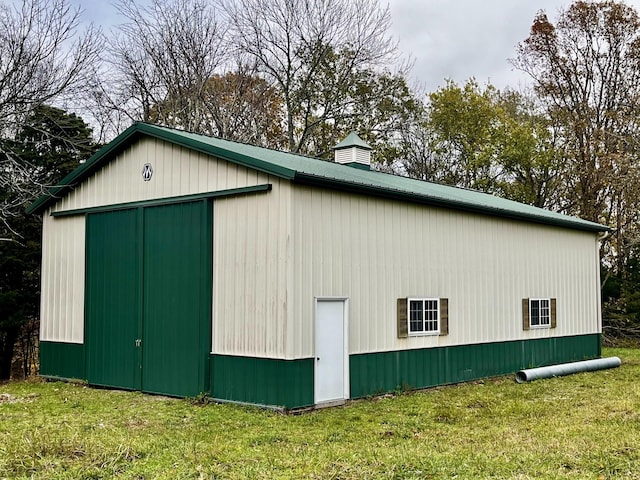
column 437, row 311
column 548, row 315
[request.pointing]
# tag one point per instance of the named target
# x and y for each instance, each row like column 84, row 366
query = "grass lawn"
column 581, row 426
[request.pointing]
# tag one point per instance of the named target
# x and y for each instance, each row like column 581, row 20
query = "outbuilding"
column 181, row 264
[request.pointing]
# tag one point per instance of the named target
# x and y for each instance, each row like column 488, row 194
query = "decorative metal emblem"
column 147, row 172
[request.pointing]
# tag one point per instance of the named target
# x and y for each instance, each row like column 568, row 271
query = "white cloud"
column 455, row 39
column 466, row 38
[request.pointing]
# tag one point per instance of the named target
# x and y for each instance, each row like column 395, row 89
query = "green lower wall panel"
column 265, row 381
column 289, row 383
column 63, row 360
column 375, row 373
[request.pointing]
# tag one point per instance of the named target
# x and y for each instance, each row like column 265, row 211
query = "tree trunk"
column 7, row 342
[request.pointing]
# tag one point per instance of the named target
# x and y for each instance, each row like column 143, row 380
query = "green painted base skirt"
column 262, row 381
column 289, row 383
column 376, row 373
column 62, row 360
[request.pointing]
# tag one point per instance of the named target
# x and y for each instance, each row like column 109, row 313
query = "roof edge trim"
column 178, row 137
column 105, row 154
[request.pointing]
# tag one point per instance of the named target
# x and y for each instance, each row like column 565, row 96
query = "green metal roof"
column 311, row 171
column 352, row 140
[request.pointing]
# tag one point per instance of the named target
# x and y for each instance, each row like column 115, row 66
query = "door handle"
column 138, row 342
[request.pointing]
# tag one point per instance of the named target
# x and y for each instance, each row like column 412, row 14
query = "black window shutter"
column 444, row 316
column 403, row 324
column 553, row 313
column 525, row 314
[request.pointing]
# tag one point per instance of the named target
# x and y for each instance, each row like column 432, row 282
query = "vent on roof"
column 353, row 151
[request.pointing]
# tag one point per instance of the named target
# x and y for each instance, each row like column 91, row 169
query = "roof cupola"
column 353, row 151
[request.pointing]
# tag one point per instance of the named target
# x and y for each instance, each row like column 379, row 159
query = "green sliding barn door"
column 174, row 274
column 149, row 298
column 113, row 298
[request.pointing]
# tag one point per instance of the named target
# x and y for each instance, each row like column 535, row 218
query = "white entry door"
column 332, row 359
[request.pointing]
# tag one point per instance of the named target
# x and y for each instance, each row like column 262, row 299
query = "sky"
column 465, row 38
column 459, row 39
column 455, row 39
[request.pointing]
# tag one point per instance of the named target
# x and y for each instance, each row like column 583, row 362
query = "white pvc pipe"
column 566, row 369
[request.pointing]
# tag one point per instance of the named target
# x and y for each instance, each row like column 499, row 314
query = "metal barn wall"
column 375, row 251
column 62, row 294
column 275, row 251
column 176, row 171
column 252, row 274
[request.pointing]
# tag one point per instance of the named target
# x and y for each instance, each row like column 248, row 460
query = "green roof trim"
column 352, row 140
column 311, row 171
column 231, row 192
column 222, row 149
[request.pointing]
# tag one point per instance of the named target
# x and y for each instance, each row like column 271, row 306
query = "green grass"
column 581, row 426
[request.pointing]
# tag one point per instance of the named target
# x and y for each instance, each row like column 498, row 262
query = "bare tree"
column 586, row 69
column 163, row 59
column 310, row 51
column 243, row 106
column 43, row 59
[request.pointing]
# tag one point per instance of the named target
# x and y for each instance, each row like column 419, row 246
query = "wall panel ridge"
column 62, row 279
column 375, row 251
column 251, row 259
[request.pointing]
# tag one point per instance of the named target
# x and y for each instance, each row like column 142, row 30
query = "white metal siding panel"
column 375, row 251
column 176, row 171
column 62, row 294
column 252, row 259
column 597, row 300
